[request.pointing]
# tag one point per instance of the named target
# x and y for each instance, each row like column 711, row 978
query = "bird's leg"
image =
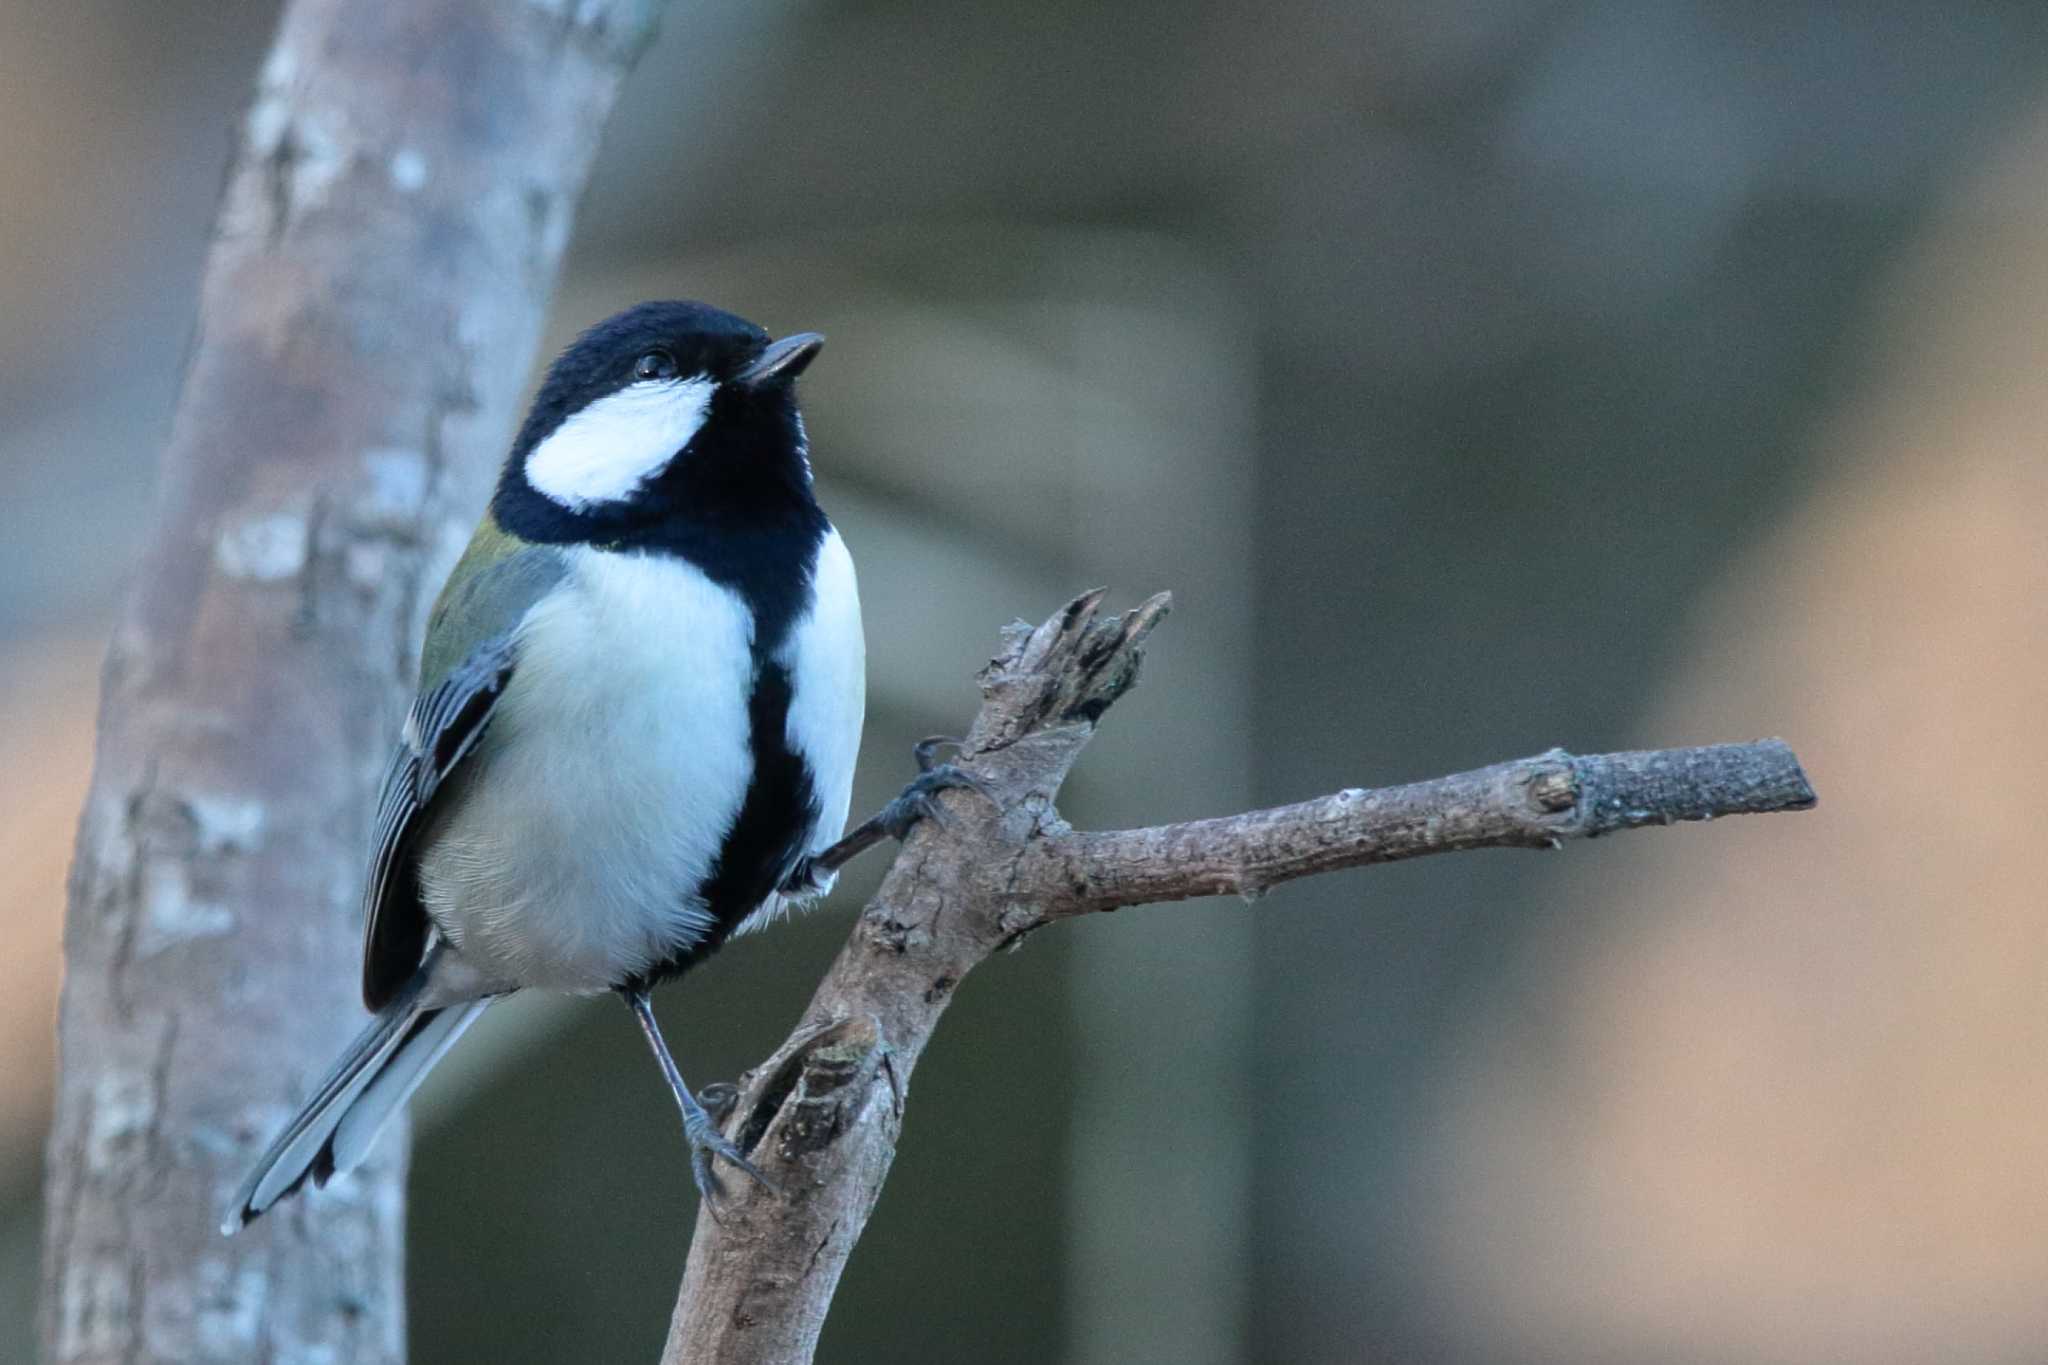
column 699, row 1129
column 918, row 801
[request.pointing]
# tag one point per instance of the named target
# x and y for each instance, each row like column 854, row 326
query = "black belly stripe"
column 774, row 823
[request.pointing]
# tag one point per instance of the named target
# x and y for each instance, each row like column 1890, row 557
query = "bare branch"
column 1530, row 803
column 823, row 1115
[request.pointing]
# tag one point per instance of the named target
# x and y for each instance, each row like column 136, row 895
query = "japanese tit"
column 640, row 700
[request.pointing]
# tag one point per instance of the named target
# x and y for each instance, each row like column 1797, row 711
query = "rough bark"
column 388, row 238
column 822, row 1116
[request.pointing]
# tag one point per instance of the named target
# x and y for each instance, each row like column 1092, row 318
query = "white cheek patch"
column 608, row 450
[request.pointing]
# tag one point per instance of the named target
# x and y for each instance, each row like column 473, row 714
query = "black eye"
column 655, row 365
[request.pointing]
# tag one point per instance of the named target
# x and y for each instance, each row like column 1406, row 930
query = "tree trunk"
column 387, row 242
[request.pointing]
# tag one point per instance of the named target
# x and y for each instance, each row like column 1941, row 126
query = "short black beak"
column 783, row 361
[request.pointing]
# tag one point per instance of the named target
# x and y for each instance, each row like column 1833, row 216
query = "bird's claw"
column 706, row 1142
column 719, row 1099
column 919, row 800
column 926, row 750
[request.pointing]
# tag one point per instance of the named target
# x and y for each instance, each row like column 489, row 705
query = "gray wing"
column 443, row 726
column 471, row 654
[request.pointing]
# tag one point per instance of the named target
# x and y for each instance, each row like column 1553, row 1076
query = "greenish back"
column 490, row 588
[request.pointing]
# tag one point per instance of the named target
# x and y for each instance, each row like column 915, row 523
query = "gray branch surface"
column 387, row 241
column 1530, row 803
column 822, row 1116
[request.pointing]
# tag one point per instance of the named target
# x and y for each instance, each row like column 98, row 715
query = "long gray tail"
column 353, row 1102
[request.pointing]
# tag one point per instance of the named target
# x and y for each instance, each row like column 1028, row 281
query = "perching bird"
column 640, row 699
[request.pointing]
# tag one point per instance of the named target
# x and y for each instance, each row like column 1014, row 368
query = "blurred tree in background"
column 1445, row 360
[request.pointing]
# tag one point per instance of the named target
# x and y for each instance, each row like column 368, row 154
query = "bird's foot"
column 814, row 872
column 706, row 1142
column 919, row 800
column 700, row 1130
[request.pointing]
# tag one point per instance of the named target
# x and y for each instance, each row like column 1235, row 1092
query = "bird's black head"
column 667, row 413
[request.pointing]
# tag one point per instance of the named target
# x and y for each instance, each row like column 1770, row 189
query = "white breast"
column 615, row 762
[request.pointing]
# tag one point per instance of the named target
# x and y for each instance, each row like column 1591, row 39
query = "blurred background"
column 1480, row 375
